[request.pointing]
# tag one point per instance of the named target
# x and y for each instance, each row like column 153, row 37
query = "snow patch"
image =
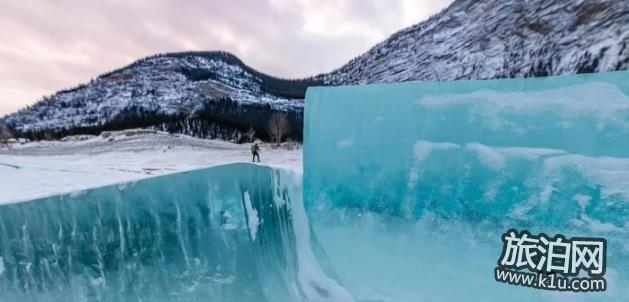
column 45, row 168
column 252, row 216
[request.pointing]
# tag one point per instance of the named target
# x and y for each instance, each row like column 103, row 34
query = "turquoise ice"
column 233, row 233
column 410, row 186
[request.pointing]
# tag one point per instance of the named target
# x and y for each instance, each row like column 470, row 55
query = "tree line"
column 220, row 118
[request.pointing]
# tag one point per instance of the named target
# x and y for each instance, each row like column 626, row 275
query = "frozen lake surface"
column 46, row 168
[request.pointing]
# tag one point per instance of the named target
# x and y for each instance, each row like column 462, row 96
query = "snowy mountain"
column 214, row 94
column 486, row 39
column 208, row 94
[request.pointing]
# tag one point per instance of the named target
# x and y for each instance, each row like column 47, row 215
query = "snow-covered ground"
column 42, row 169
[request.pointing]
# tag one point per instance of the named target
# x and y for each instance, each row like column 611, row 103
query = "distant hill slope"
column 214, row 94
column 207, row 94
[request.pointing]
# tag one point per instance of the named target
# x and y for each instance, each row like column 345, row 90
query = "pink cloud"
column 50, row 45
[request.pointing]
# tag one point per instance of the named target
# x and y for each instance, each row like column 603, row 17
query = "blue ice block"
column 234, row 233
column 410, row 186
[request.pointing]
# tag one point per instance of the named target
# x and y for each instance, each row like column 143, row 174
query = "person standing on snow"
column 255, row 149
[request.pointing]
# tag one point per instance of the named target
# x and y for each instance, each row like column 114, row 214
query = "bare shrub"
column 251, row 134
column 278, row 127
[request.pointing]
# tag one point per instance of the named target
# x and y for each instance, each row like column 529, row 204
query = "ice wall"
column 410, row 186
column 229, row 233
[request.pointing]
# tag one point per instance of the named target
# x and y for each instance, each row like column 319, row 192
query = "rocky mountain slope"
column 214, row 94
column 486, row 39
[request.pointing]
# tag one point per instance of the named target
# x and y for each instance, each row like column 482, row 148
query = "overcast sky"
column 49, row 45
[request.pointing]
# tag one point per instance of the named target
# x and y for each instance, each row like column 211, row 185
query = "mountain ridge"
column 214, row 94
column 207, row 94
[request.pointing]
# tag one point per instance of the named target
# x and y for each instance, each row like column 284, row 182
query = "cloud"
column 50, row 45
